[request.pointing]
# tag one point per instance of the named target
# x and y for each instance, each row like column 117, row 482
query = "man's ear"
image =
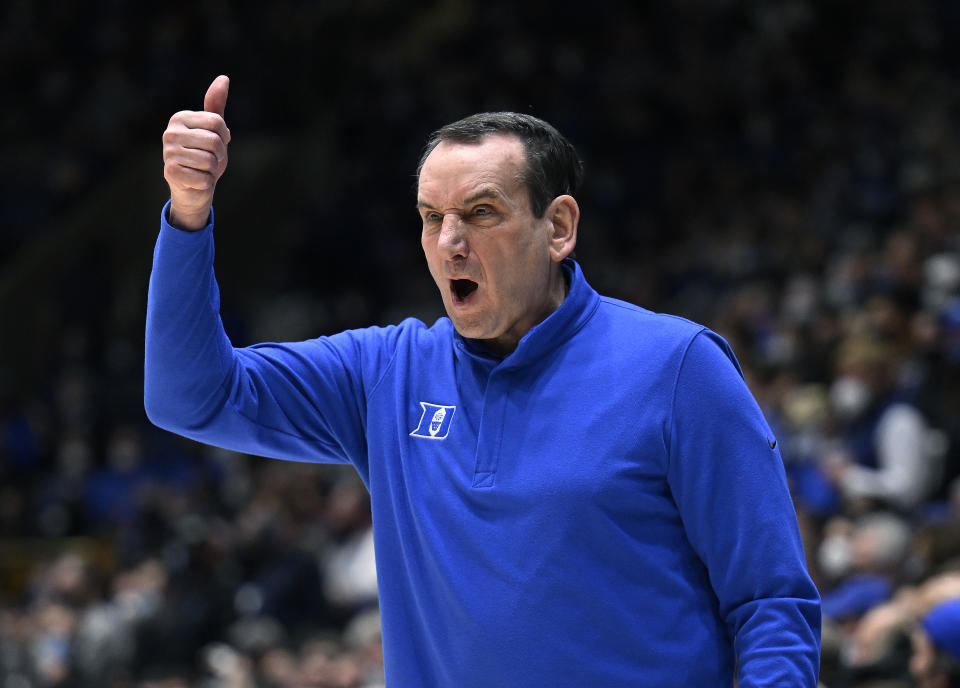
column 564, row 215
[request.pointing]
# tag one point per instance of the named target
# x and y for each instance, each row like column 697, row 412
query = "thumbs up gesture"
column 194, row 157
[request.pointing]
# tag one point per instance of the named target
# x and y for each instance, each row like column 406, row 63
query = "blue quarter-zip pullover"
column 603, row 507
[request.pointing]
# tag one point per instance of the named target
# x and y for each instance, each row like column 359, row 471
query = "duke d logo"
column 434, row 421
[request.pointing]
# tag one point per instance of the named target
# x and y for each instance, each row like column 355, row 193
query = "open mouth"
column 462, row 288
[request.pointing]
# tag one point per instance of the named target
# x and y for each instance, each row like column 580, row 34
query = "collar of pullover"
column 549, row 335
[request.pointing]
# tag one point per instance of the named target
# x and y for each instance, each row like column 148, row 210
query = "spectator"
column 936, row 647
column 884, row 455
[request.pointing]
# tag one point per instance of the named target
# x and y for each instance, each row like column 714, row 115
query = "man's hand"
column 194, row 157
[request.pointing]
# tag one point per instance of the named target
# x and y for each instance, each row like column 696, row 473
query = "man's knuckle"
column 172, row 172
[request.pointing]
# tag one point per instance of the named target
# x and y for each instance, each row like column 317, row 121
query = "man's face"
column 487, row 252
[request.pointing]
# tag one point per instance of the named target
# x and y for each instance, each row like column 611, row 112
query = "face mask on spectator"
column 835, row 556
column 849, row 397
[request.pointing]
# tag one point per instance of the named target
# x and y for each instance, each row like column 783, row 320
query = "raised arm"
column 303, row 400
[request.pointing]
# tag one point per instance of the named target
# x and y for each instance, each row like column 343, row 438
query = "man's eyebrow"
column 484, row 193
column 488, row 193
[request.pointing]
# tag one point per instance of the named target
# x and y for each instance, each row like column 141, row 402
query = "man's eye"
column 432, row 217
column 482, row 210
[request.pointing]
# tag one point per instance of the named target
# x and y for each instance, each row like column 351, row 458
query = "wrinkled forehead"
column 455, row 167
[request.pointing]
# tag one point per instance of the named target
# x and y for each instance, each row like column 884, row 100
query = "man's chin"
column 468, row 332
column 467, row 329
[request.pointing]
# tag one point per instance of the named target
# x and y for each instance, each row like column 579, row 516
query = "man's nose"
column 453, row 240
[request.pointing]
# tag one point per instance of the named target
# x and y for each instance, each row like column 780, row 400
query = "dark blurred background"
column 784, row 171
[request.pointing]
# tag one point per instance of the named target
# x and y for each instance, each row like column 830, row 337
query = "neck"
column 557, row 291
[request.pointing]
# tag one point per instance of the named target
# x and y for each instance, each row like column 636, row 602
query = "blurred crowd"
column 784, row 171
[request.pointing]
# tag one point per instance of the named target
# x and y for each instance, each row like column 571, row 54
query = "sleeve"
column 303, row 401
column 728, row 480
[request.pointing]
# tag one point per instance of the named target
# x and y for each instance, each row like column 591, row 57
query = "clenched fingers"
column 201, row 160
column 188, row 178
column 196, row 149
column 191, row 169
column 179, row 139
column 195, row 119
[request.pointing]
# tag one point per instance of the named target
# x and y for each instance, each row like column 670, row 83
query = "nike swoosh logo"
column 772, row 443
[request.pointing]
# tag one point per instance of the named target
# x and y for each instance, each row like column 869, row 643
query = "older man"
column 567, row 490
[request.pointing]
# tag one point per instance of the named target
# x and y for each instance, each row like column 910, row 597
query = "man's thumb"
column 216, row 98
